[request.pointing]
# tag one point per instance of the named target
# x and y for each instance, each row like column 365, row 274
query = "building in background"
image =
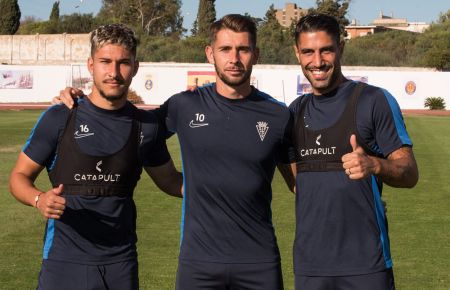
column 391, row 22
column 384, row 23
column 290, row 13
column 354, row 30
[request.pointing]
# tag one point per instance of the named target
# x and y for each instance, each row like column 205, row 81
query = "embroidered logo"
column 318, row 139
column 262, row 128
column 79, row 135
column 196, row 125
column 199, row 121
column 84, row 132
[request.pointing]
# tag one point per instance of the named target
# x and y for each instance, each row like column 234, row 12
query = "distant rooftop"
column 384, row 20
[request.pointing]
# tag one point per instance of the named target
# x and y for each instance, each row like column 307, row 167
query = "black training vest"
column 83, row 174
column 322, row 150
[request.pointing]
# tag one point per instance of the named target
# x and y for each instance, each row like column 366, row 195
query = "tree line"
column 159, row 25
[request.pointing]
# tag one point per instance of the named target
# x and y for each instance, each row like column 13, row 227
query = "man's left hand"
column 357, row 164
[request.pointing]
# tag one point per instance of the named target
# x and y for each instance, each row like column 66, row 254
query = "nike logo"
column 78, row 135
column 196, row 125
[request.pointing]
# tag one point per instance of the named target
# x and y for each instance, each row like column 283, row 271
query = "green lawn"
column 419, row 219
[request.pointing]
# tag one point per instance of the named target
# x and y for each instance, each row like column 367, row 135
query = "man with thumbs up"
column 349, row 139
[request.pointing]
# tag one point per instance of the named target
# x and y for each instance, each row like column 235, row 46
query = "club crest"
column 262, row 128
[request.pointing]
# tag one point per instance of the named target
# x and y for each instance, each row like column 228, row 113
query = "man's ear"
column 90, row 65
column 136, row 67
column 341, row 48
column 297, row 52
column 256, row 55
column 209, row 54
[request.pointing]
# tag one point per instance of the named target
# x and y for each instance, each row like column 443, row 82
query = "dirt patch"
column 10, row 149
column 43, row 106
column 24, row 106
column 427, row 112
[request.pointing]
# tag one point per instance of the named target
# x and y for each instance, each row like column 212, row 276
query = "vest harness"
column 82, row 174
column 322, row 150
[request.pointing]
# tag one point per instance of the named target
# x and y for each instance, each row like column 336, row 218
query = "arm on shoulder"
column 67, row 97
column 167, row 178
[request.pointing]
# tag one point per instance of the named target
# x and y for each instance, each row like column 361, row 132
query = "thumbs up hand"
column 355, row 145
column 357, row 164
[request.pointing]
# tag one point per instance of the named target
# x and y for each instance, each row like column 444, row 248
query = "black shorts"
column 56, row 275
column 375, row 281
column 217, row 276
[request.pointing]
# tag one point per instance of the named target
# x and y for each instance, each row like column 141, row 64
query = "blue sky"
column 364, row 11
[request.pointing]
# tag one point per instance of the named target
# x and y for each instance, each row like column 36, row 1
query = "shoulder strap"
column 360, row 86
column 299, row 115
column 136, row 128
column 70, row 123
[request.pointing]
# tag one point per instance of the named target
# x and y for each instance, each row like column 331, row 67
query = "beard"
column 112, row 97
column 326, row 84
column 233, row 82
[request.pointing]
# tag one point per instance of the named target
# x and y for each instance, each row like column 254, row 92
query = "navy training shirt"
column 98, row 132
column 341, row 226
column 230, row 148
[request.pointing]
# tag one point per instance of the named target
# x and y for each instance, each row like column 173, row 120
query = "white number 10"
column 200, row 117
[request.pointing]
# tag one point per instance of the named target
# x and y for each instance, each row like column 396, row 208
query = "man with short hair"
column 349, row 139
column 94, row 156
column 232, row 136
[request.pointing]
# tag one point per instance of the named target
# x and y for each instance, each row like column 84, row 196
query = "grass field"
column 419, row 219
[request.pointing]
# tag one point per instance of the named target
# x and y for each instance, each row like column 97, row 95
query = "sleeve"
column 286, row 149
column 169, row 111
column 154, row 150
column 388, row 129
column 42, row 142
column 293, row 109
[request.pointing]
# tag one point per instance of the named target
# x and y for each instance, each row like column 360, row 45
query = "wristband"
column 36, row 199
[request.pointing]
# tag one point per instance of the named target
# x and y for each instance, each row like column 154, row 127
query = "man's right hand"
column 51, row 204
column 67, row 97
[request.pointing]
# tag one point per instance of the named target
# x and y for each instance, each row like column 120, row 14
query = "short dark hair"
column 236, row 23
column 113, row 34
column 318, row 22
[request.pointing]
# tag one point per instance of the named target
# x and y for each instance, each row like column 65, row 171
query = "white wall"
column 166, row 79
column 44, row 49
column 47, row 81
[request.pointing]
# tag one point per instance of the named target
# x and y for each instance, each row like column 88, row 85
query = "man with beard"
column 232, row 137
column 349, row 139
column 94, row 155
